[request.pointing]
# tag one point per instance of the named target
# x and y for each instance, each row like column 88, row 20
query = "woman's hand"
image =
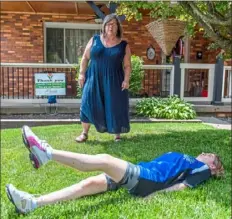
column 125, row 85
column 81, row 80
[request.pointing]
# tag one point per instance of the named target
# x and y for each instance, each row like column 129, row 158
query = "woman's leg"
column 84, row 135
column 85, row 127
column 117, row 137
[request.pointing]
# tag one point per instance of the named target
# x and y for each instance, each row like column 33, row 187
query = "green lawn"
column 144, row 142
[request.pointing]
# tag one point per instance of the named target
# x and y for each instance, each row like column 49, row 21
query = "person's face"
column 208, row 159
column 111, row 27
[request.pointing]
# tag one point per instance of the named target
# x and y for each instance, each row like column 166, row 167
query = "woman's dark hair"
column 109, row 18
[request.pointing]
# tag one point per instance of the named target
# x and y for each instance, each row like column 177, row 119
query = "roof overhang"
column 77, row 8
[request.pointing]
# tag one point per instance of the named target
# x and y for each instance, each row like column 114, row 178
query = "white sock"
column 49, row 151
column 34, row 204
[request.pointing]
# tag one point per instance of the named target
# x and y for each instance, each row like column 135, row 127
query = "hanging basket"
column 166, row 33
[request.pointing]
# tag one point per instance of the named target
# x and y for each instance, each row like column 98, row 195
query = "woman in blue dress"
column 104, row 75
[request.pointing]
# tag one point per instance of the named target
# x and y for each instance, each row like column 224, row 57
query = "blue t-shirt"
column 173, row 167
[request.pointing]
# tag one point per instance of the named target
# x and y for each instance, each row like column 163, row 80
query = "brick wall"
column 22, row 41
column 140, row 39
column 22, row 38
column 200, row 44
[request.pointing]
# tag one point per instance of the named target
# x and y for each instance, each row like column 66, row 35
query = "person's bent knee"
column 91, row 181
column 105, row 158
column 94, row 182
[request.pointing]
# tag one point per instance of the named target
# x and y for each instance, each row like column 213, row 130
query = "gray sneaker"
column 21, row 200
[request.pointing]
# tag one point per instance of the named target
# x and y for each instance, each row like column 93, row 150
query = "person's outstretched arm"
column 176, row 187
column 191, row 181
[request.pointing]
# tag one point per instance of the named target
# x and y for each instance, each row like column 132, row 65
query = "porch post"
column 218, row 80
column 96, row 9
column 177, row 76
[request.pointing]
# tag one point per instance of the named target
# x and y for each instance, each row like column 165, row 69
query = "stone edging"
column 137, row 120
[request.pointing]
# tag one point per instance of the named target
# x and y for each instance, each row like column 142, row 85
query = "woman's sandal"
column 82, row 137
column 117, row 139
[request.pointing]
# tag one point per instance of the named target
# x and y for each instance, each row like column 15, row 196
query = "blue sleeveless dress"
column 104, row 104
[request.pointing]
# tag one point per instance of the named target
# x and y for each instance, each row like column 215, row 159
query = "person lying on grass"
column 169, row 172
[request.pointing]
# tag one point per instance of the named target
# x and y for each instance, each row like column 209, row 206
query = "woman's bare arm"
column 176, row 187
column 84, row 62
column 127, row 64
column 127, row 68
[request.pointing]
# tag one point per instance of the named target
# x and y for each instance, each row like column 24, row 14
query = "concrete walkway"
column 17, row 123
column 216, row 123
column 29, row 106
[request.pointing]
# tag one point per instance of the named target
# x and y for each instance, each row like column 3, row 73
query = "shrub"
column 77, row 68
column 170, row 108
column 137, row 75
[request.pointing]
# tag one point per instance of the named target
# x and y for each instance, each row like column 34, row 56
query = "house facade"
column 57, row 32
column 27, row 34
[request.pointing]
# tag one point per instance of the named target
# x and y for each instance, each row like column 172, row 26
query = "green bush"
column 77, row 68
column 137, row 75
column 170, row 108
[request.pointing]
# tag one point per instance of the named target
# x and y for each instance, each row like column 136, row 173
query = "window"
column 65, row 42
column 55, row 45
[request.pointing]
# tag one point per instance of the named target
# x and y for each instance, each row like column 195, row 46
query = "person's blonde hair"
column 109, row 18
column 219, row 171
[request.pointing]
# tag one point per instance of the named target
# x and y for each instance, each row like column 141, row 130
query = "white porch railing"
column 158, row 81
column 36, row 65
column 205, row 68
column 157, row 70
column 227, row 84
column 164, row 68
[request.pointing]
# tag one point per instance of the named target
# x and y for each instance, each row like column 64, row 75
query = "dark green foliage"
column 137, row 75
column 170, row 108
column 77, row 68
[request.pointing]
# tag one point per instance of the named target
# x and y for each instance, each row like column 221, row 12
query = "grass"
column 144, row 142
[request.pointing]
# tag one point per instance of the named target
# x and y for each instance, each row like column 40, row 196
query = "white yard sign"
column 47, row 84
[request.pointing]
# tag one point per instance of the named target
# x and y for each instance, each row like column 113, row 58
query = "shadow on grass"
column 88, row 208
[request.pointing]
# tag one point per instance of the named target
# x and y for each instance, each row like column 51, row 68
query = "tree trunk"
column 212, row 28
